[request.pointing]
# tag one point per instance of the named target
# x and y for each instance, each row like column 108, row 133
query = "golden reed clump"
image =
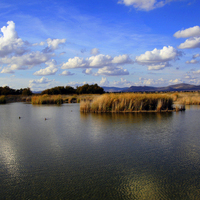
column 190, row 100
column 47, row 99
column 127, row 102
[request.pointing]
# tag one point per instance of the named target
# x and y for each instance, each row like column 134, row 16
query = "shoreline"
column 179, row 98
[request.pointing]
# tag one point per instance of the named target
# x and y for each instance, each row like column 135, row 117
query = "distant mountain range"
column 177, row 87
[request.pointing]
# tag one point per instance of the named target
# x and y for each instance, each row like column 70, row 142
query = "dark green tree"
column 26, row 92
column 89, row 89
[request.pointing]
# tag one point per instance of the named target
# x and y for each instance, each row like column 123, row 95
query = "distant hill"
column 115, row 89
column 177, row 87
column 37, row 92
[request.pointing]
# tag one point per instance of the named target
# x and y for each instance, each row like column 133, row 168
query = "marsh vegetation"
column 47, row 99
column 124, row 102
column 186, row 98
column 128, row 102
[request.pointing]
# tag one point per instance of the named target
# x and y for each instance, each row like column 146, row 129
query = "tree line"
column 85, row 89
column 9, row 91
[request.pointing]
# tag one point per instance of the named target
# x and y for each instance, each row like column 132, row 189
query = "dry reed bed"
column 47, row 99
column 59, row 99
column 128, row 102
column 187, row 98
column 78, row 98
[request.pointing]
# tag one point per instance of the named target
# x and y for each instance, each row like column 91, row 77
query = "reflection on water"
column 74, row 155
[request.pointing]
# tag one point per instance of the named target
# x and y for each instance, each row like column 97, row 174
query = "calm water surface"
column 73, row 155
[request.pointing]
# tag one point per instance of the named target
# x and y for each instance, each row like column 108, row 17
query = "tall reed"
column 190, row 100
column 127, row 102
column 47, row 99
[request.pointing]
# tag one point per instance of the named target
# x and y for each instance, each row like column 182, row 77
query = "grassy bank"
column 128, row 102
column 47, row 99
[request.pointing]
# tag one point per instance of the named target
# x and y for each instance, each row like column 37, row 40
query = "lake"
column 73, row 155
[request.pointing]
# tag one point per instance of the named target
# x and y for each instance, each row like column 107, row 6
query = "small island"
column 130, row 102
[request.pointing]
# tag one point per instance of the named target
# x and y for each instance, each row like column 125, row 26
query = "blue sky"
column 117, row 43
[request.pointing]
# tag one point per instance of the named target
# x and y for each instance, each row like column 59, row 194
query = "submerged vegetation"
column 128, row 102
column 47, row 99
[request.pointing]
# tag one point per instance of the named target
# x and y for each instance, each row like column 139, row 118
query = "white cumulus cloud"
column 94, row 51
column 104, row 82
column 25, row 61
column 7, row 70
column 87, row 71
column 10, row 42
column 145, row 5
column 112, row 71
column 158, row 58
column 39, row 44
column 43, row 80
column 40, row 84
column 187, row 76
column 66, row 73
column 122, row 83
column 192, row 61
column 122, row 59
column 54, row 43
column 50, row 70
column 158, row 66
column 75, row 62
column 190, row 32
column 176, row 81
column 98, row 61
column 74, row 83
column 151, row 82
column 190, row 43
